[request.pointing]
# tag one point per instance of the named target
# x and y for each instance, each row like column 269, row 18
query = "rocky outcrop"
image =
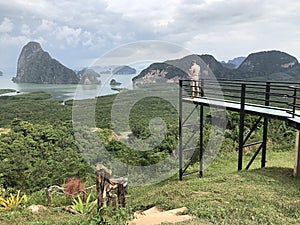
column 37, row 66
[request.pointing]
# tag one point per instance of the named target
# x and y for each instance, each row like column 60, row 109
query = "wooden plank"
column 297, row 155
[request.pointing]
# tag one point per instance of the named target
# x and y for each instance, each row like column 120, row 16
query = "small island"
column 113, row 82
column 124, row 70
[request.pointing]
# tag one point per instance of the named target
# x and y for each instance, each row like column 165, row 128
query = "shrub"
column 84, row 207
column 12, row 201
column 73, row 187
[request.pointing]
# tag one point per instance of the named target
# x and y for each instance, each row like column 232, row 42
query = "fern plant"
column 12, row 201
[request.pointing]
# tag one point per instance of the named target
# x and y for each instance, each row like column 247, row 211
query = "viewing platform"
column 266, row 100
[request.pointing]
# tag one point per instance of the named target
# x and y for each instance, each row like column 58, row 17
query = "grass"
column 223, row 196
column 4, row 91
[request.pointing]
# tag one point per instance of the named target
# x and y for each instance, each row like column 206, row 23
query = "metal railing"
column 271, row 94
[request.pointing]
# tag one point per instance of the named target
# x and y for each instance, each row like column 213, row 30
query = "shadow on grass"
column 280, row 174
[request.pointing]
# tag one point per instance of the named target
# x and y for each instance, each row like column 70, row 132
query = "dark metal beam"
column 241, row 128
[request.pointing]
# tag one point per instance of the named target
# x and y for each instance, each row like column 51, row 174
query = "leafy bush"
column 12, row 201
column 86, row 206
column 73, row 187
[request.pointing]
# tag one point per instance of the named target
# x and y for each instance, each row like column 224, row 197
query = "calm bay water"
column 70, row 91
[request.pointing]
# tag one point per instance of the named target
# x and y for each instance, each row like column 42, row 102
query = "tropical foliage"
column 12, row 201
column 35, row 156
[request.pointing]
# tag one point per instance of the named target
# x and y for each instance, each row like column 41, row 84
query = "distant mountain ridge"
column 265, row 65
column 37, row 66
column 234, row 63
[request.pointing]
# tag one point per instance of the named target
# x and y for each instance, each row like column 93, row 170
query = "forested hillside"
column 39, row 148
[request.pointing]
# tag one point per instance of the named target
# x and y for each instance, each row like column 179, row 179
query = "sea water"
column 70, row 91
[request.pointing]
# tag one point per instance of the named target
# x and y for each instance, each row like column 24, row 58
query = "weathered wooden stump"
column 105, row 183
column 100, row 184
column 121, row 193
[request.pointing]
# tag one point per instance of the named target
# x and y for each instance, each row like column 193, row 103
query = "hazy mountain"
column 1, row 73
column 37, row 66
column 234, row 63
column 124, row 70
column 266, row 65
column 88, row 76
column 172, row 70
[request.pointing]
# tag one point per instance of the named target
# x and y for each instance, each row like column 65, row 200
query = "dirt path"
column 155, row 216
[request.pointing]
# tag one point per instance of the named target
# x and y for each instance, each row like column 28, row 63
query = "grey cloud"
column 74, row 31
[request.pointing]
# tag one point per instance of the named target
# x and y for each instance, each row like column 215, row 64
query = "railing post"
column 241, row 129
column 202, row 87
column 294, row 101
column 267, row 94
column 180, row 129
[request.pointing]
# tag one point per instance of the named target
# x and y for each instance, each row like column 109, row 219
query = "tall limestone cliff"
column 37, row 66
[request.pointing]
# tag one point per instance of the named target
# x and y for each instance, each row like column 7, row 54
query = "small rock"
column 37, row 208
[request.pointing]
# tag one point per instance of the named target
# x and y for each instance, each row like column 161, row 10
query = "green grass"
column 49, row 217
column 223, row 196
column 4, row 91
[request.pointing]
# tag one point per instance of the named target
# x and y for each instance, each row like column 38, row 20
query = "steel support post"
column 201, row 142
column 265, row 131
column 201, row 130
column 180, row 130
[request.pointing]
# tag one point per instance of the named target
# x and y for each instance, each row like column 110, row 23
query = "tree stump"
column 114, row 200
column 122, row 192
column 100, row 183
column 48, row 194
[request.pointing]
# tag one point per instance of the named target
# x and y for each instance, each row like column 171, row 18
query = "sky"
column 78, row 32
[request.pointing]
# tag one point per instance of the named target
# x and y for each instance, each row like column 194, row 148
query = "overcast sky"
column 76, row 32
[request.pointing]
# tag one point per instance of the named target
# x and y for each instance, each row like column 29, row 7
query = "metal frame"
column 283, row 94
